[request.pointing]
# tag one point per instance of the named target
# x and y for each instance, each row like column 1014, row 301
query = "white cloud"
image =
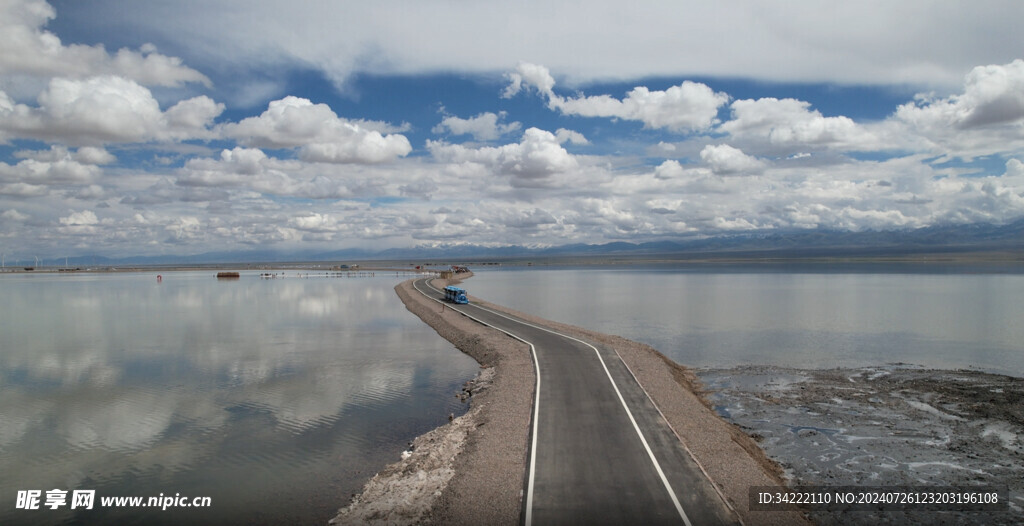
column 93, row 155
column 669, row 169
column 23, row 190
column 791, row 42
column 690, row 106
column 14, row 216
column 318, row 132
column 241, row 170
column 251, row 169
column 84, row 155
column 1015, row 169
column 986, row 118
column 54, row 167
column 789, row 125
column 799, row 168
column 188, row 117
column 315, row 222
column 102, row 110
column 563, row 135
column 726, row 160
column 992, row 95
column 83, row 218
column 483, row 127
column 530, row 76
column 27, row 49
column 531, row 161
column 185, row 228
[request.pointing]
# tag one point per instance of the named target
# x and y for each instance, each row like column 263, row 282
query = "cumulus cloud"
column 49, row 168
column 83, row 218
column 563, row 135
column 93, row 155
column 483, row 127
column 669, row 169
column 726, row 160
column 318, row 132
column 23, row 190
column 690, row 106
column 986, row 117
column 1015, row 169
column 27, row 49
column 84, row 155
column 993, row 95
column 530, row 77
column 107, row 109
column 62, row 171
column 252, row 169
column 772, row 164
column 536, row 157
column 787, row 124
column 14, row 216
column 314, row 222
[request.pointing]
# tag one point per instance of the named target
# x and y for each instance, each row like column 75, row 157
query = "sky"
column 184, row 127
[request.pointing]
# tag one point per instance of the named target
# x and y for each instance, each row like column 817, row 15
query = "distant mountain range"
column 792, row 244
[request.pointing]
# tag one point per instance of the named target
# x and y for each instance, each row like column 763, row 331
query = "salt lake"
column 805, row 316
column 276, row 398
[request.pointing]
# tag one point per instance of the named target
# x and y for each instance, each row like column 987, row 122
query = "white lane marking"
column 536, row 400
column 650, row 453
column 682, row 442
column 643, row 440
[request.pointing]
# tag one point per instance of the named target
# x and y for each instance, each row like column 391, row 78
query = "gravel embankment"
column 485, row 449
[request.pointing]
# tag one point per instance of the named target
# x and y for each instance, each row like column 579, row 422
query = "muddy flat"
column 892, row 425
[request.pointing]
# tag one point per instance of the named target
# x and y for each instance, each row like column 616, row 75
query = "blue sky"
column 185, row 127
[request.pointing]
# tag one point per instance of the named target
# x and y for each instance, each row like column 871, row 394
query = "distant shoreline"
column 253, row 267
column 952, row 255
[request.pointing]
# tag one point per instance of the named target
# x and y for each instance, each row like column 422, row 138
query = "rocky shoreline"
column 471, row 470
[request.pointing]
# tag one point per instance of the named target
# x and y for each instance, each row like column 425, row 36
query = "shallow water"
column 275, row 398
column 807, row 316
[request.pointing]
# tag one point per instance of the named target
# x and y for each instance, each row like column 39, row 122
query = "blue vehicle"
column 455, row 295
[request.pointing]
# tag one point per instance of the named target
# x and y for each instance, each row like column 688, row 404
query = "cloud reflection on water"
column 117, row 376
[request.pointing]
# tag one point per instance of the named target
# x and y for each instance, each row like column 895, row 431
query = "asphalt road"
column 601, row 452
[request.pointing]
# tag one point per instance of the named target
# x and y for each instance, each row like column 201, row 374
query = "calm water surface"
column 814, row 317
column 275, row 398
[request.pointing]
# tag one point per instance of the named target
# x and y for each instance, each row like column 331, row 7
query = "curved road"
column 601, row 452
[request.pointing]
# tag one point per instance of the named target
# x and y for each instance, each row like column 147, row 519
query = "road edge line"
column 681, row 441
column 536, row 400
column 636, row 427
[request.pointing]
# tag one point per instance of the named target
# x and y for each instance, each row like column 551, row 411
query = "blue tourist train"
column 455, row 295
